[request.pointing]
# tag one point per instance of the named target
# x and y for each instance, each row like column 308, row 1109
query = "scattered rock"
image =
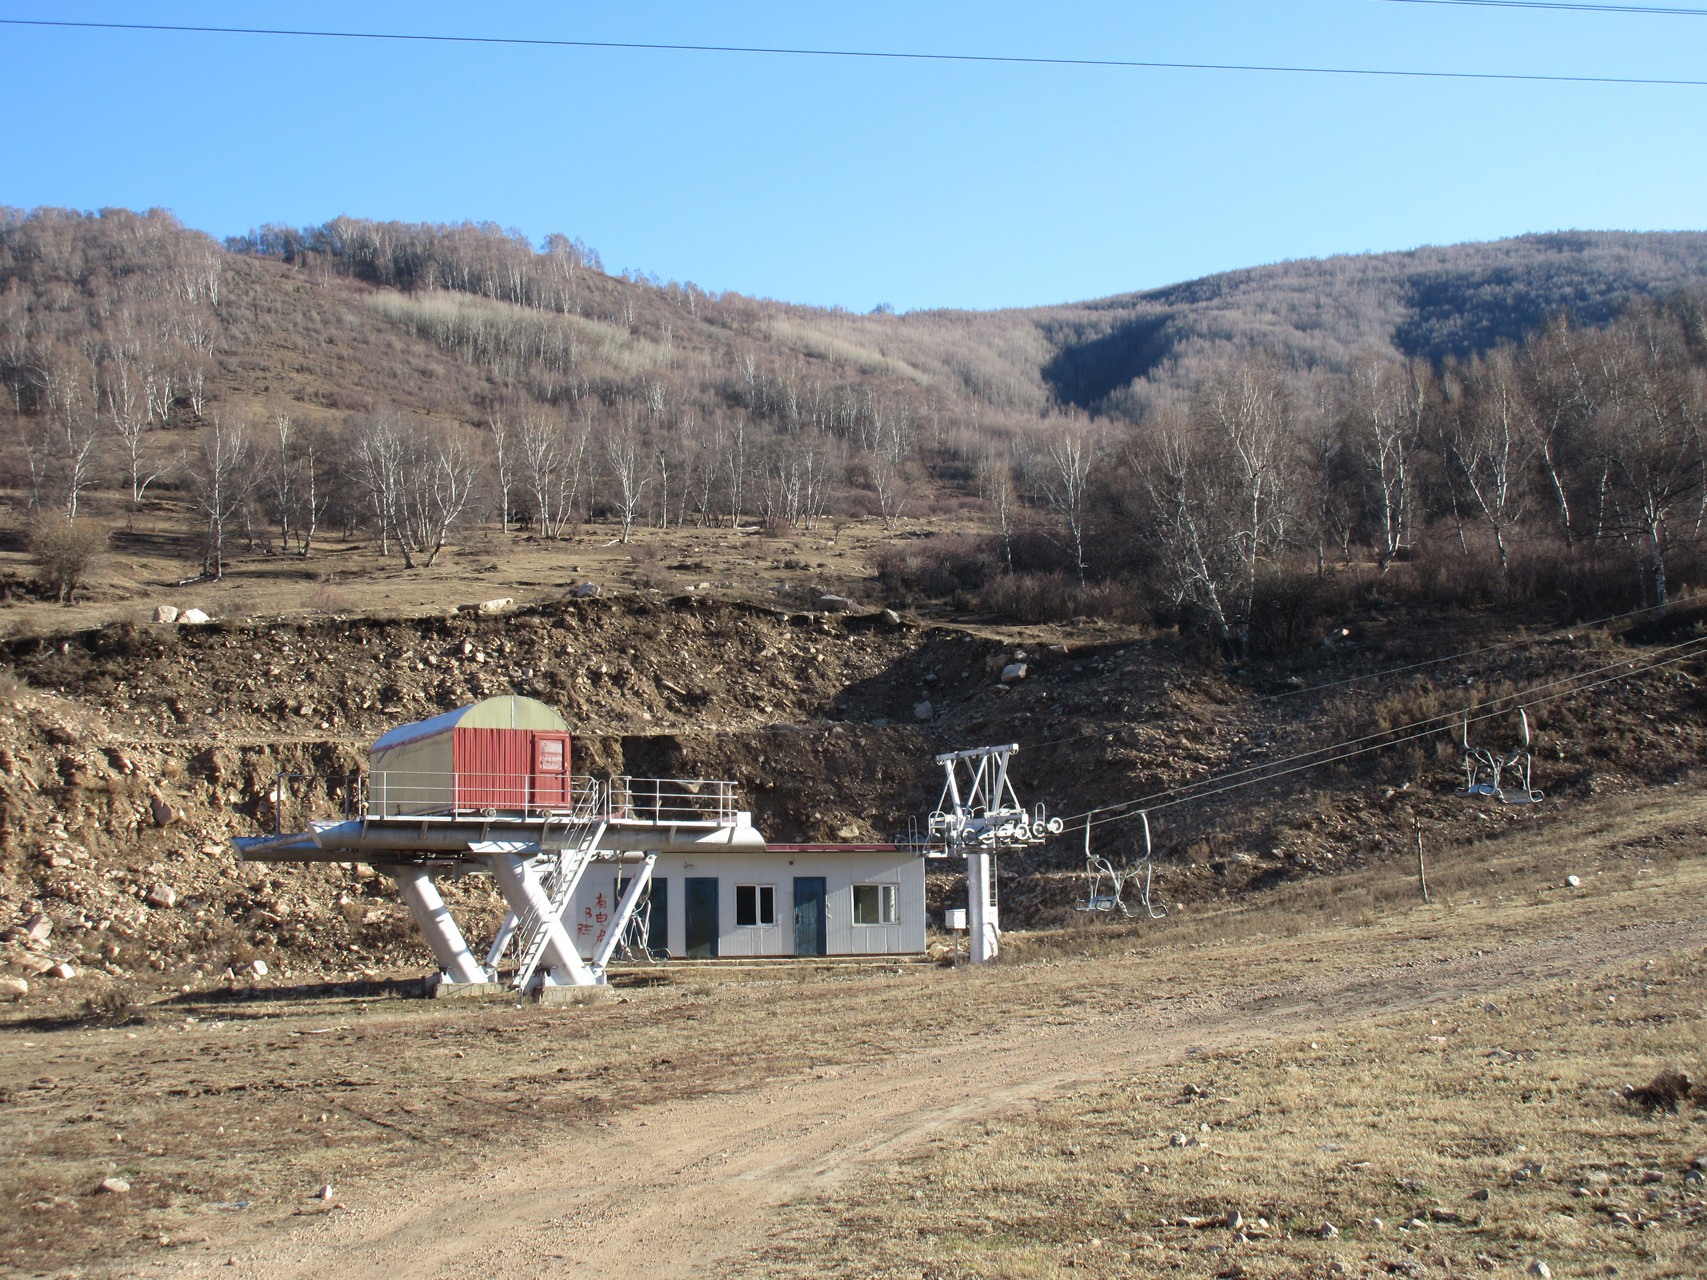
column 160, row 811
column 1480, row 1193
column 1486, row 1263
column 1440, row 1213
column 258, row 968
column 325, row 1192
column 62, row 971
column 1178, row 1140
column 1327, row 1231
column 114, row 1186
column 1662, row 1093
column 1573, row 881
column 161, row 895
column 1013, row 671
column 834, row 604
column 13, row 988
column 1235, row 1219
column 38, row 928
column 494, row 606
column 585, row 590
column 193, row 617
column 165, row 613
column 923, row 710
column 1540, row 1269
column 891, row 617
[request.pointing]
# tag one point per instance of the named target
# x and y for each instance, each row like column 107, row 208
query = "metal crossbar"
column 586, row 827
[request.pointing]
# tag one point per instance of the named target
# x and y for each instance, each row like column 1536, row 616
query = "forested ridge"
column 1220, row 453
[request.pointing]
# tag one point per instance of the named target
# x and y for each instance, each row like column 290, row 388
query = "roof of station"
column 508, row 712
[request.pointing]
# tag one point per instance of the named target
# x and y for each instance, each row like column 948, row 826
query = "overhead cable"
column 1541, row 638
column 1642, row 9
column 1502, row 704
column 873, row 54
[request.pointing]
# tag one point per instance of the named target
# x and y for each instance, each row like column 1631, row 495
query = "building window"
column 755, row 904
column 874, row 904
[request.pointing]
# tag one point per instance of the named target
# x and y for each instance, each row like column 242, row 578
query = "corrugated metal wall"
column 492, row 767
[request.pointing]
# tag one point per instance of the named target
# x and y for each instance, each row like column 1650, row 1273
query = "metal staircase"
column 579, row 844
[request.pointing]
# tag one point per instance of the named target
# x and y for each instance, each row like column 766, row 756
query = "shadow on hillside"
column 1087, row 370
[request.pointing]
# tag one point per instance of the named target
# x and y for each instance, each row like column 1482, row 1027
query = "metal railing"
column 412, row 793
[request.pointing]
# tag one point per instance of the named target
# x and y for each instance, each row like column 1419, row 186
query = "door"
column 699, row 916
column 550, row 773
column 809, row 915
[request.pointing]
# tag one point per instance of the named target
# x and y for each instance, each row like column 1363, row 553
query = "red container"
column 510, row 768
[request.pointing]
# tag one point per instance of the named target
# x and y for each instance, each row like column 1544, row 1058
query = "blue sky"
column 855, row 182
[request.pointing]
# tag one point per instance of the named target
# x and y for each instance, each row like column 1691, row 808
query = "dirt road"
column 670, row 1189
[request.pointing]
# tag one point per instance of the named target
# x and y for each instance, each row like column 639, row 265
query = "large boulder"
column 165, row 613
column 834, row 604
column 194, row 617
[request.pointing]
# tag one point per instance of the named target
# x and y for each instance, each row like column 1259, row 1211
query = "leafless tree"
column 221, row 477
column 1490, row 448
column 996, row 487
column 626, row 458
column 1063, row 473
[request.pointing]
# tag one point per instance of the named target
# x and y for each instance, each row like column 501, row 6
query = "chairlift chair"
column 1504, row 775
column 1109, row 899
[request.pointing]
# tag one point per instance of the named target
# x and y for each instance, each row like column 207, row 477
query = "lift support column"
column 437, row 925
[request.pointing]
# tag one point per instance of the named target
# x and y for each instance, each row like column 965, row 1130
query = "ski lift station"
column 601, row 870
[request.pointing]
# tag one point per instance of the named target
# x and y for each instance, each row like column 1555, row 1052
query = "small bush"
column 1058, row 597
column 66, row 552
column 938, row 566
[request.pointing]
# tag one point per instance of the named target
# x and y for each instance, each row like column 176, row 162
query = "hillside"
column 1109, row 355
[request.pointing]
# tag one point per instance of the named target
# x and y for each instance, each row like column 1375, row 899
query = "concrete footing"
column 458, row 990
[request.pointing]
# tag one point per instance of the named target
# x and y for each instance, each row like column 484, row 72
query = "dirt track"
column 669, row 1189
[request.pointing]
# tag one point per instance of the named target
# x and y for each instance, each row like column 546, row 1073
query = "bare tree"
column 504, row 460
column 1489, row 446
column 996, row 487
column 1063, row 474
column 1383, row 395
column 889, row 483
column 221, row 477
column 626, row 458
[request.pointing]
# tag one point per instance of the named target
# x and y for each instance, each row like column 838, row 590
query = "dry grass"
column 1386, row 1130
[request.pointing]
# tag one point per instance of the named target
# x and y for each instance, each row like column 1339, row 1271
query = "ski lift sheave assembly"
column 1505, row 775
column 978, row 817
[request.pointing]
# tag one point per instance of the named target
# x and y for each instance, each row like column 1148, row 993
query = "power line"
column 873, row 54
column 1644, row 9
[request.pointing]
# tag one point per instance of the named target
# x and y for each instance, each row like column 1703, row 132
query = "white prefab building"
column 790, row 902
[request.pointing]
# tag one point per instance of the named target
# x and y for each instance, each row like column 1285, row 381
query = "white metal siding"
column 841, row 872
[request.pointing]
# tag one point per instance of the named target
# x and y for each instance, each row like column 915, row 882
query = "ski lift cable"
column 1186, row 792
column 1165, row 802
column 1445, row 718
column 1173, row 796
column 1542, row 638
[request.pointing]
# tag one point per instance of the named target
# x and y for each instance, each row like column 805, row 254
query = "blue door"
column 809, row 916
column 699, row 916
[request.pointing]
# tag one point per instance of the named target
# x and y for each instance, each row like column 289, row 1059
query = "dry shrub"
column 1057, row 597
column 66, row 552
column 938, row 566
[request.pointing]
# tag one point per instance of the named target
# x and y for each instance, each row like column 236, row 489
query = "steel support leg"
column 415, row 886
column 525, row 894
column 624, row 911
column 982, row 921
